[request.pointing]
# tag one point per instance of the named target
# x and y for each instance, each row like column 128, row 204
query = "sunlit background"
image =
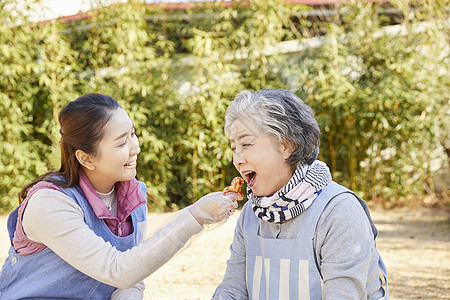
column 376, row 76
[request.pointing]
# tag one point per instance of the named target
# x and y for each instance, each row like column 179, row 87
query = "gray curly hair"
column 282, row 115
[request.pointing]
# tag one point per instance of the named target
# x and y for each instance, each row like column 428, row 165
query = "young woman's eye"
column 133, row 134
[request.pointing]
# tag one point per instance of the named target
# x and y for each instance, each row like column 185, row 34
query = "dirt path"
column 414, row 243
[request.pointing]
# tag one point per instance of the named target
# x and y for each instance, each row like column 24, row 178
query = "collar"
column 129, row 197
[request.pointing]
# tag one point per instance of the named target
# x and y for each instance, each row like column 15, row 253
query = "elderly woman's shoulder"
column 246, row 209
column 344, row 206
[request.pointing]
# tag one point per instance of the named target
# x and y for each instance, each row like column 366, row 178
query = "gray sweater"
column 344, row 248
column 54, row 219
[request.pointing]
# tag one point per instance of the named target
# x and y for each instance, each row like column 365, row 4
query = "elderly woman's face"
column 260, row 159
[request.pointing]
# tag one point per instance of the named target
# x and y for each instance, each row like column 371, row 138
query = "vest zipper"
column 120, row 229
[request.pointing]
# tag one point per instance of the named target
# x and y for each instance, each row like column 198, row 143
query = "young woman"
column 78, row 231
column 300, row 235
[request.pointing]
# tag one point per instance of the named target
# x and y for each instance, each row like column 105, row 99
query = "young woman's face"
column 117, row 153
column 259, row 158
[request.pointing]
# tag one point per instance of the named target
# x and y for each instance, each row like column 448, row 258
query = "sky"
column 58, row 8
column 43, row 10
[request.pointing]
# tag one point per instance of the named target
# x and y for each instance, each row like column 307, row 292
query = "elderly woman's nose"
column 238, row 158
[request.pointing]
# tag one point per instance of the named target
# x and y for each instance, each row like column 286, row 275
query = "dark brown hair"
column 82, row 122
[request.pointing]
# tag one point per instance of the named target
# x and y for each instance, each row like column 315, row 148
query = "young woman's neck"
column 99, row 183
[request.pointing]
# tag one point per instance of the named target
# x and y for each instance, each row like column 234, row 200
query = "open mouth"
column 249, row 177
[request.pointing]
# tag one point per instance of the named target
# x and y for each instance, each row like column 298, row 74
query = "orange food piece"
column 235, row 187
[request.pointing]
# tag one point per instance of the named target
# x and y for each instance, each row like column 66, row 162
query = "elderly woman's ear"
column 286, row 149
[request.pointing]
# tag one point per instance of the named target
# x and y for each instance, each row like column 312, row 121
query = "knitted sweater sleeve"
column 234, row 285
column 54, row 219
column 134, row 293
column 345, row 250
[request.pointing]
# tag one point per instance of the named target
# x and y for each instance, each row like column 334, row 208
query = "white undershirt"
column 110, row 200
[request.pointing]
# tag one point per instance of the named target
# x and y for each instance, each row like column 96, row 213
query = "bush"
column 379, row 96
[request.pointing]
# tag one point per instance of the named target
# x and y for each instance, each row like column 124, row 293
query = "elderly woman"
column 300, row 235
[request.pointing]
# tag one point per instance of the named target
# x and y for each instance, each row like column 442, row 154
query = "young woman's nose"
column 135, row 149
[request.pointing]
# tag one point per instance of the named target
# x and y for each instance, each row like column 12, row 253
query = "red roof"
column 191, row 5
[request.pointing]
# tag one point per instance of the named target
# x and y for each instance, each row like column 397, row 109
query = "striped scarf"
column 295, row 197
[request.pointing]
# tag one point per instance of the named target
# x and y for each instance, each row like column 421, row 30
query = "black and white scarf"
column 295, row 197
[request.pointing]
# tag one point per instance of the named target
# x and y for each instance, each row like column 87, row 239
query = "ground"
column 414, row 243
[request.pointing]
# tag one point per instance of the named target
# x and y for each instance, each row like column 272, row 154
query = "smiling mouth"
column 131, row 164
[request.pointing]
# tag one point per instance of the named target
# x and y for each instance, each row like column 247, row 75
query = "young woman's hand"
column 214, row 207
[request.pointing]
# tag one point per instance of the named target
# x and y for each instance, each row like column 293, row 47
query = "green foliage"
column 380, row 96
column 37, row 72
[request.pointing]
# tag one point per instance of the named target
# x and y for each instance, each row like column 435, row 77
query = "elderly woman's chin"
column 263, row 190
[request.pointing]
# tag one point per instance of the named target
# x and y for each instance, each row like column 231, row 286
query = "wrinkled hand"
column 214, row 207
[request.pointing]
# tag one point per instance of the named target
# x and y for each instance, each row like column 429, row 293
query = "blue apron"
column 287, row 268
column 44, row 275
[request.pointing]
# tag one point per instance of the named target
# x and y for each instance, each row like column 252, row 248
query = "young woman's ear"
column 86, row 160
